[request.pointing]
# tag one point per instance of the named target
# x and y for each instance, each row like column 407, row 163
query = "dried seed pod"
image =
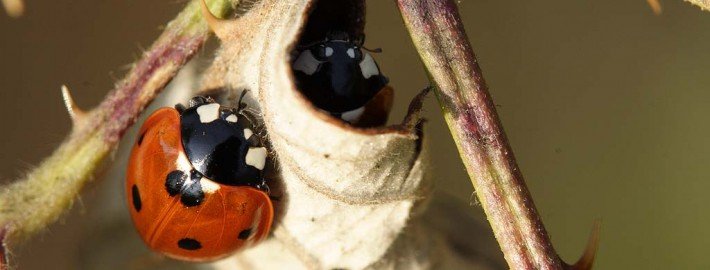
column 348, row 192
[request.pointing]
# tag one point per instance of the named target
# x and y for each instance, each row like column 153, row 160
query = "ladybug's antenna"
column 376, row 50
column 241, row 105
column 310, row 44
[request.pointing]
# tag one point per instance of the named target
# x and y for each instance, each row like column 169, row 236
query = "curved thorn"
column 587, row 260
column 15, row 9
column 655, row 6
column 219, row 26
column 75, row 113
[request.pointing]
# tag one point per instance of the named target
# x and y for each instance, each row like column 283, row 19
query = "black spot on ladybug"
column 140, row 138
column 174, row 182
column 189, row 244
column 137, row 204
column 244, row 235
column 192, row 195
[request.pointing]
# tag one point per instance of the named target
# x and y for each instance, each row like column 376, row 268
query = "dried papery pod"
column 656, row 5
column 348, row 192
column 703, row 4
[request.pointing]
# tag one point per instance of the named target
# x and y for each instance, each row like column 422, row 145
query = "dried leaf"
column 348, row 192
column 703, row 4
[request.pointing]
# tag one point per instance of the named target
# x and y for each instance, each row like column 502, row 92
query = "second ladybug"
column 339, row 77
column 194, row 182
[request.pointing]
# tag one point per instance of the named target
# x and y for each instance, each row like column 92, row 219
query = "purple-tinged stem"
column 438, row 34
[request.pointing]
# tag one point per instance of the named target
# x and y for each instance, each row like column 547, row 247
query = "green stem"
column 39, row 199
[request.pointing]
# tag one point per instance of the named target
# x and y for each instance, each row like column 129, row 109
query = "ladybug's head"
column 336, row 74
column 221, row 143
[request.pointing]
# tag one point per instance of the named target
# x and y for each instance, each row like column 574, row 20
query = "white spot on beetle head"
column 232, row 118
column 248, row 133
column 328, row 51
column 354, row 115
column 351, row 52
column 208, row 112
column 256, row 157
column 368, row 66
column 208, row 186
column 306, row 63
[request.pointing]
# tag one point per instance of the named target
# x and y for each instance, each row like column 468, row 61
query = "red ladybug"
column 194, row 183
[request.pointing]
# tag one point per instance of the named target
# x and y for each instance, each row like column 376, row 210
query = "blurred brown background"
column 605, row 104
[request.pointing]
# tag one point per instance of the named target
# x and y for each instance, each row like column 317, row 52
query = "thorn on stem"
column 587, row 260
column 75, row 113
column 219, row 26
column 15, row 9
column 655, row 6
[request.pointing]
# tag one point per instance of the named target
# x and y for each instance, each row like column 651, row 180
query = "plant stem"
column 438, row 34
column 30, row 204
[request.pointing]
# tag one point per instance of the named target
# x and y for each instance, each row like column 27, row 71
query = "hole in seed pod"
column 334, row 71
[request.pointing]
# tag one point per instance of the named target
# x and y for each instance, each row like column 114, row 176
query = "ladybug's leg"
column 256, row 124
column 240, row 104
column 254, row 117
column 199, row 100
column 180, row 108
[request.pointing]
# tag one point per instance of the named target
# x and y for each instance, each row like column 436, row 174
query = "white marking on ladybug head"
column 306, row 63
column 208, row 186
column 256, row 157
column 208, row 112
column 368, row 66
column 354, row 115
column 232, row 118
column 351, row 52
column 248, row 133
column 328, row 51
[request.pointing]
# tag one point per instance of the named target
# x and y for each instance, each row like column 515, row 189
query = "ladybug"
column 337, row 76
column 194, row 182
